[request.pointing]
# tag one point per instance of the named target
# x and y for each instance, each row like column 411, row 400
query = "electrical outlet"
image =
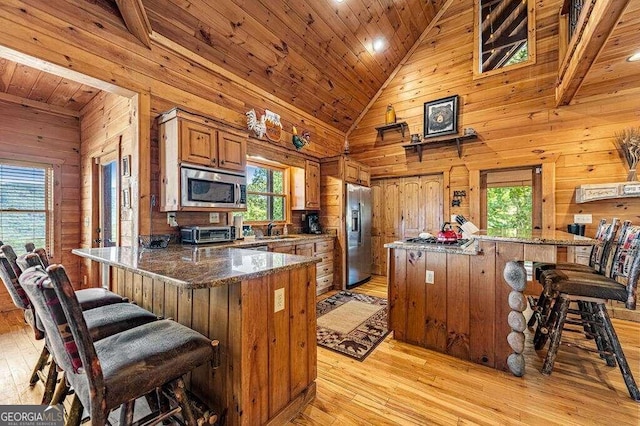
column 429, row 277
column 214, row 217
column 171, row 219
column 582, row 218
column 278, row 300
column 453, row 218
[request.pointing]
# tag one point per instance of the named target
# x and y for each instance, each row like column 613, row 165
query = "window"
column 504, row 34
column 26, row 205
column 266, row 193
column 512, row 199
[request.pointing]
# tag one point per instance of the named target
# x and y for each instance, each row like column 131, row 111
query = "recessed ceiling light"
column 378, row 44
column 634, row 57
column 339, row 1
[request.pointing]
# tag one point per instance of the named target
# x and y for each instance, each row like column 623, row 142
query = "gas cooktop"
column 433, row 240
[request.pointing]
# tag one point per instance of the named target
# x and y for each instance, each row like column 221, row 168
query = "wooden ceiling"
column 22, row 84
column 314, row 54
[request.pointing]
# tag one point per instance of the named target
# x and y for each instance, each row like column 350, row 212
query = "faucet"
column 269, row 229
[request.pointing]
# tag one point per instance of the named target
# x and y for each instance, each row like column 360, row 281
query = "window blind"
column 26, row 205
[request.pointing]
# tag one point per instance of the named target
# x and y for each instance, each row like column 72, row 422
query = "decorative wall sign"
column 274, row 127
column 441, row 117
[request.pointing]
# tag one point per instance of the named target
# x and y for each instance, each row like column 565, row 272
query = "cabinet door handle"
column 221, row 161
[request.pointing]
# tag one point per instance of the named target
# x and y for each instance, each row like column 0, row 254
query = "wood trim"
column 53, row 109
column 51, row 68
column 142, row 153
column 135, row 17
column 586, row 45
column 404, row 60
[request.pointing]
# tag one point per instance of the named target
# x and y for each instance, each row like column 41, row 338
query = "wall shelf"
column 417, row 147
column 401, row 127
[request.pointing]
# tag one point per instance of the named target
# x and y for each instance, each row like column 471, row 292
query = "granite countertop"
column 470, row 249
column 554, row 237
column 275, row 240
column 196, row 266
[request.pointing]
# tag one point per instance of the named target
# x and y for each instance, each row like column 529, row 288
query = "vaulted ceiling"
column 316, row 55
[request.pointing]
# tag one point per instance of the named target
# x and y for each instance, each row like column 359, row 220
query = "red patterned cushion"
column 626, row 253
column 37, row 276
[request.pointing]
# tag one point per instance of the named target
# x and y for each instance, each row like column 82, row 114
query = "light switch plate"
column 214, row 217
column 429, row 277
column 582, row 218
column 278, row 300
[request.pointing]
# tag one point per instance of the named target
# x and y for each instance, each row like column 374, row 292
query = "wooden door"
column 198, row 144
column 232, row 152
column 411, row 209
column 305, row 249
column 391, row 192
column 351, row 171
column 312, row 185
column 431, row 203
column 364, row 176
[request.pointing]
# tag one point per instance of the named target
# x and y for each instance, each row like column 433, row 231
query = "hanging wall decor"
column 300, row 141
column 441, row 117
column 274, row 127
column 257, row 127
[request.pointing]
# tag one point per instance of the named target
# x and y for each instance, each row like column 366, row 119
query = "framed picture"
column 126, row 165
column 441, row 117
column 126, row 198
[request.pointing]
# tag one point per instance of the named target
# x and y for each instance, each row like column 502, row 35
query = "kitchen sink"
column 276, row 237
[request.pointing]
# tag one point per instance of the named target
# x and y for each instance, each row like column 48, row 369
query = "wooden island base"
column 268, row 359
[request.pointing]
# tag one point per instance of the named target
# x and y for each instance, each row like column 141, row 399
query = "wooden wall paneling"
column 416, row 296
column 436, row 302
column 185, row 306
column 128, row 285
column 137, row 293
column 279, row 345
column 222, row 308
column 482, row 313
column 311, row 325
column 158, row 298
column 458, row 305
column 255, row 369
column 171, row 302
column 147, row 293
column 505, row 252
column 549, row 196
column 298, row 322
column 200, row 376
column 398, row 293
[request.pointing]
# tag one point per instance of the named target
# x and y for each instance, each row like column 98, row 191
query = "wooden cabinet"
column 355, row 172
column 322, row 249
column 193, row 139
column 305, row 187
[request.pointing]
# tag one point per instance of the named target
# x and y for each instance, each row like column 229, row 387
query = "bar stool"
column 592, row 291
column 121, row 368
column 605, row 235
column 102, row 321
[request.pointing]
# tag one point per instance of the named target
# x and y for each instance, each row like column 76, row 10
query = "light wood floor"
column 403, row 384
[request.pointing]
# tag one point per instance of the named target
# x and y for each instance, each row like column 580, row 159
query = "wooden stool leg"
column 61, row 392
column 556, row 335
column 617, row 350
column 126, row 413
column 50, row 383
column 545, row 324
column 75, row 412
column 42, row 361
column 600, row 335
column 183, row 401
column 537, row 310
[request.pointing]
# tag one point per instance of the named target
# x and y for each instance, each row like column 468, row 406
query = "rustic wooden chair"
column 605, row 236
column 116, row 370
column 592, row 291
column 103, row 321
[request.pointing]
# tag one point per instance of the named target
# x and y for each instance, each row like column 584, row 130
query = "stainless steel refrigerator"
column 358, row 224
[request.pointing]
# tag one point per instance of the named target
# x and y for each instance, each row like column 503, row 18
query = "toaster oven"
column 207, row 234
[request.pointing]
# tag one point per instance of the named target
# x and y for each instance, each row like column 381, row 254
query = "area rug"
column 352, row 324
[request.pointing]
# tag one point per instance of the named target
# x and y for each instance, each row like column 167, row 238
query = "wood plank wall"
column 29, row 134
column 513, row 113
column 107, row 125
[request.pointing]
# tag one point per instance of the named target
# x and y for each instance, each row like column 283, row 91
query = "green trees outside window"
column 510, row 207
column 266, row 198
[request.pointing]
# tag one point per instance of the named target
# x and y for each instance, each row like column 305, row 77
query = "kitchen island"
column 455, row 301
column 259, row 305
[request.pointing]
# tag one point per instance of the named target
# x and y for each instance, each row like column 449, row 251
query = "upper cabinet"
column 305, row 186
column 196, row 140
column 348, row 170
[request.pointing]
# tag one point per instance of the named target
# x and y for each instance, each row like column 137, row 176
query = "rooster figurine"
column 298, row 141
column 258, row 127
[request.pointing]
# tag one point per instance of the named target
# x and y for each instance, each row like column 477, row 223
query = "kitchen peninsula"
column 455, row 301
column 259, row 305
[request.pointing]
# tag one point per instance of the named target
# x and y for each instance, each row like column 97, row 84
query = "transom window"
column 266, row 193
column 26, row 205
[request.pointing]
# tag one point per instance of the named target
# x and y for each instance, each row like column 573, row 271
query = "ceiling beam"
column 404, row 60
column 135, row 17
column 585, row 46
column 6, row 97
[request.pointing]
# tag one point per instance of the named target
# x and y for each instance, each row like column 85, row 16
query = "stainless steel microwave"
column 202, row 187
